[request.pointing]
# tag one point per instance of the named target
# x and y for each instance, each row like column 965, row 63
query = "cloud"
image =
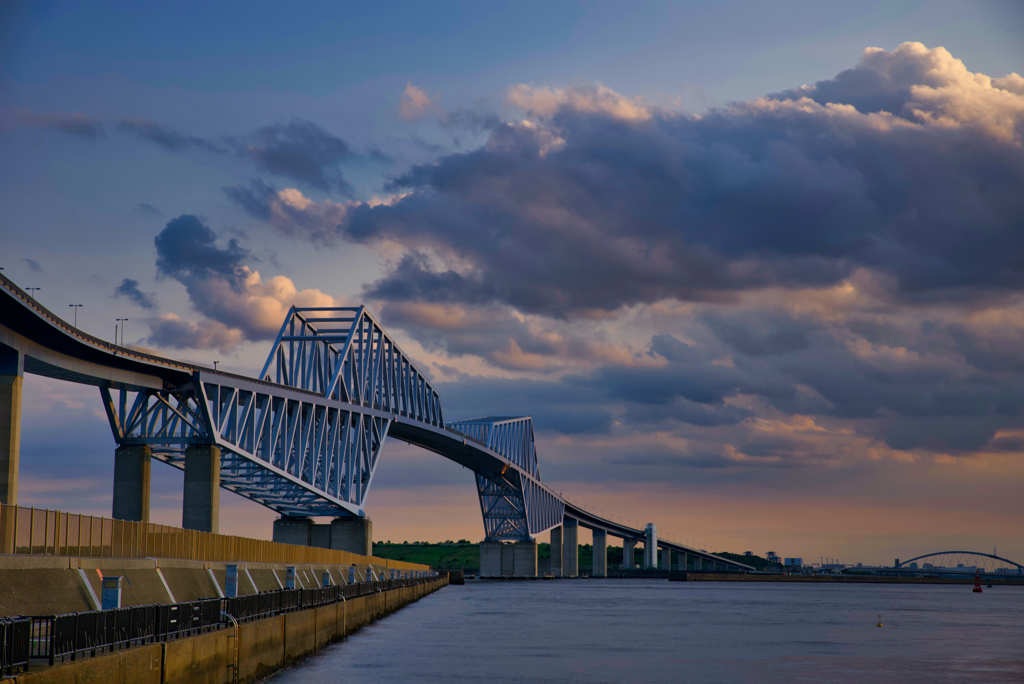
column 129, row 289
column 76, row 124
column 147, row 209
column 928, row 86
column 170, row 331
column 291, row 213
column 302, row 151
column 237, row 304
column 583, row 98
column 507, row 340
column 33, row 265
column 597, row 206
column 415, row 102
column 165, row 137
column 299, row 150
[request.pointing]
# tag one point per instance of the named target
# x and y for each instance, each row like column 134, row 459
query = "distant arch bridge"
column 962, row 562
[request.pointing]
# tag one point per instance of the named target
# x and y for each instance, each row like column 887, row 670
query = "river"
column 655, row 631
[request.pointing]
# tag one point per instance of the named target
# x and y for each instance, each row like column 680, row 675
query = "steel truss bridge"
column 961, row 563
column 304, row 437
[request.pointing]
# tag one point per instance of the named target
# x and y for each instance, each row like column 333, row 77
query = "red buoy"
column 977, row 582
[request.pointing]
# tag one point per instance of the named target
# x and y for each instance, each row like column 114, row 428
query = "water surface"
column 657, row 631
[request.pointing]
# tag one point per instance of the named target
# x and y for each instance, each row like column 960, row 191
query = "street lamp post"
column 120, row 321
column 30, row 290
column 76, row 307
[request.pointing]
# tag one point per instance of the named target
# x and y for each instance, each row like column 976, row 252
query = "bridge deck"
column 51, row 347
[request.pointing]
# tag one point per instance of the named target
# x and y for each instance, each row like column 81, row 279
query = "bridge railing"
column 36, row 531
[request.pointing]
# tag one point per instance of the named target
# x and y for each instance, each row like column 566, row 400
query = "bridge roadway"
column 36, row 341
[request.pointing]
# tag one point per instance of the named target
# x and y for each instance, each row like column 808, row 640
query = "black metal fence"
column 58, row 638
column 15, row 639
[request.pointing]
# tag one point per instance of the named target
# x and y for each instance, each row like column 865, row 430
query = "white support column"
column 651, row 546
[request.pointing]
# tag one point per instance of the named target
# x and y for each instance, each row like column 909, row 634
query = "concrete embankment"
column 49, row 585
column 256, row 648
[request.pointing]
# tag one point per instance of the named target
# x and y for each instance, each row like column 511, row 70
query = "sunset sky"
column 755, row 269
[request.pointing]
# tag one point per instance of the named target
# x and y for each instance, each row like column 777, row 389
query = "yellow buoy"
column 879, row 621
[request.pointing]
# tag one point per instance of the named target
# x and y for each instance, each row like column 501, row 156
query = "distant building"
column 773, row 557
column 794, row 562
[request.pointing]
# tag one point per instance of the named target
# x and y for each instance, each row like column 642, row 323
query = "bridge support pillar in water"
column 570, row 547
column 599, row 568
column 132, row 467
column 628, row 548
column 354, row 535
column 12, row 377
column 201, row 504
column 681, row 558
column 666, row 558
column 556, row 551
column 490, row 559
column 524, row 558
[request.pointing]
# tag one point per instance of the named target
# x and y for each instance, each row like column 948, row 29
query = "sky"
column 755, row 269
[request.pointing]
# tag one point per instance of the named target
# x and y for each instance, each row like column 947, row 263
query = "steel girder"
column 513, row 503
column 512, row 437
column 294, row 452
column 344, row 354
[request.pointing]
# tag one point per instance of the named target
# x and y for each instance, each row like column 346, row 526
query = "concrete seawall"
column 47, row 585
column 258, row 649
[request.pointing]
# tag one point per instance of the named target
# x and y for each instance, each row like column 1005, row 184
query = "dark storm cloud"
column 129, row 289
column 761, row 335
column 775, row 192
column 187, row 250
column 302, row 151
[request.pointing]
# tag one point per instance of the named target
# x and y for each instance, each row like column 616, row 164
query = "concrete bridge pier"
column 132, row 468
column 201, row 504
column 352, row 534
column 682, row 558
column 556, row 551
column 666, row 558
column 524, row 558
column 600, row 554
column 628, row 549
column 12, row 378
column 570, row 547
column 490, row 559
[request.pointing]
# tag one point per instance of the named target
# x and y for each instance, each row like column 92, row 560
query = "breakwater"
column 242, row 652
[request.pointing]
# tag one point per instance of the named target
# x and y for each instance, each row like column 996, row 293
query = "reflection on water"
column 656, row 631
